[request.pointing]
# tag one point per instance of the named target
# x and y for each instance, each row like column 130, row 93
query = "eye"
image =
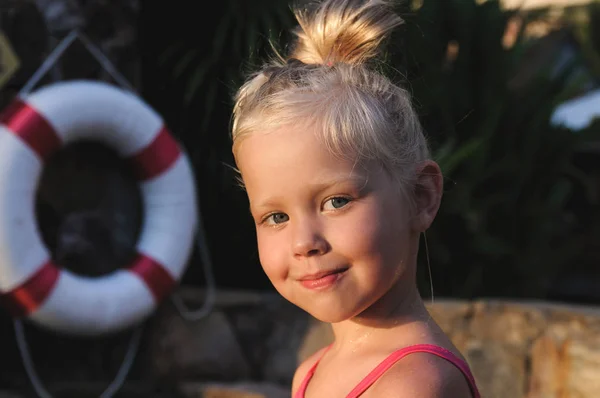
column 336, row 203
column 276, row 218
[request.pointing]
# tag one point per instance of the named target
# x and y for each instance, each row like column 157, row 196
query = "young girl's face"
column 333, row 236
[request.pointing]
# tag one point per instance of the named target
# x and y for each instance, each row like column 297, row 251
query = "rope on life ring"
column 186, row 313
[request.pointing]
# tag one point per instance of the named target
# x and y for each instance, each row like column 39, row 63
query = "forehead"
column 292, row 157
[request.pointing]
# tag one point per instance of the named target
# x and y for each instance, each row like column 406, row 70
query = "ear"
column 428, row 194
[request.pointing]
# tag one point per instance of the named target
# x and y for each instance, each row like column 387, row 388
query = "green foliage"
column 507, row 226
column 240, row 34
column 586, row 23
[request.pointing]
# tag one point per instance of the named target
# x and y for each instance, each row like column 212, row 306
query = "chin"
column 328, row 313
column 325, row 309
column 330, row 318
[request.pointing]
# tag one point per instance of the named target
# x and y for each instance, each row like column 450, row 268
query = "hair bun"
column 348, row 31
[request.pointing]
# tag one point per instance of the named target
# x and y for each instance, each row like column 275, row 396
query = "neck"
column 400, row 312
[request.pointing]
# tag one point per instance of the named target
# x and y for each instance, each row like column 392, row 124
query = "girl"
column 340, row 184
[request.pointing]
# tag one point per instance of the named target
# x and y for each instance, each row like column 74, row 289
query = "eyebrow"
column 359, row 180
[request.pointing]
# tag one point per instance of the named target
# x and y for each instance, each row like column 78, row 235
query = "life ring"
column 31, row 286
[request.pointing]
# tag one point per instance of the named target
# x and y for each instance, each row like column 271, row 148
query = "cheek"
column 272, row 255
column 376, row 237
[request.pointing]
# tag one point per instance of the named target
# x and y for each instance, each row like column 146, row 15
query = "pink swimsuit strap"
column 390, row 361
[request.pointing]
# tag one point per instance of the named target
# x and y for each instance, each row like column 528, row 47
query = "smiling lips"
column 324, row 279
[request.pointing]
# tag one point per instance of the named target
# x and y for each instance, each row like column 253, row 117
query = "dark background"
column 520, row 215
column 519, row 220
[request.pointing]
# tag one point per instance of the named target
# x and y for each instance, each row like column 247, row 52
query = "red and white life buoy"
column 31, row 285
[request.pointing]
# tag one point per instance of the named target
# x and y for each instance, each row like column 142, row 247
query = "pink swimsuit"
column 391, row 360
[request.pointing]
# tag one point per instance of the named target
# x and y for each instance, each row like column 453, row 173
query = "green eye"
column 277, row 218
column 337, row 202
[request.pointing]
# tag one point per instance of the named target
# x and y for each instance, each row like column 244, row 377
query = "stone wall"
column 516, row 349
column 250, row 344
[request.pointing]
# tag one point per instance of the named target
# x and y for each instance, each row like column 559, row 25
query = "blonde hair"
column 327, row 81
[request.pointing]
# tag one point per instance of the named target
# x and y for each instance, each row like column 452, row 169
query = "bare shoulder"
column 422, row 375
column 303, row 369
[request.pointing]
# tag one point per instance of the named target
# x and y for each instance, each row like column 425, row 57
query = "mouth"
column 323, row 279
column 322, row 274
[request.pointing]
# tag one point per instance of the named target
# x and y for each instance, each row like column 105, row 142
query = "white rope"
column 186, row 313
column 59, row 51
column 128, row 360
column 112, row 388
column 209, row 300
column 126, row 365
column 48, row 63
column 132, row 349
column 105, row 62
column 429, row 267
column 37, row 384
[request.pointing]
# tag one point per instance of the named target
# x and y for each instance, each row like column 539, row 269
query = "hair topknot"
column 326, row 85
column 347, row 31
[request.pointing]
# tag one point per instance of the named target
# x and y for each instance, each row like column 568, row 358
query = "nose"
column 308, row 239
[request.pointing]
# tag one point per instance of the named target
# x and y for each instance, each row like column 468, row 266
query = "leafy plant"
column 506, row 228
